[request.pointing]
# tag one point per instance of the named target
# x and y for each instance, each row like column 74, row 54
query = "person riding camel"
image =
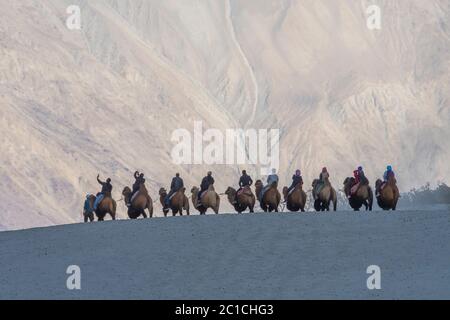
column 322, row 177
column 271, row 180
column 362, row 176
column 244, row 181
column 106, row 190
column 356, row 183
column 176, row 185
column 140, row 179
column 389, row 173
column 206, row 182
column 296, row 180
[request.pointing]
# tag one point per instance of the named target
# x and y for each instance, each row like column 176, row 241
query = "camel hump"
column 143, row 189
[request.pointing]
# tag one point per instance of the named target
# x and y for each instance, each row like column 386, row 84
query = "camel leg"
column 317, row 205
column 144, row 214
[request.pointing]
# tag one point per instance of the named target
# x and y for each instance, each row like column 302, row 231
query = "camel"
column 271, row 199
column 326, row 195
column 245, row 199
column 387, row 197
column 178, row 202
column 139, row 203
column 296, row 200
column 106, row 206
column 363, row 196
column 89, row 216
column 209, row 200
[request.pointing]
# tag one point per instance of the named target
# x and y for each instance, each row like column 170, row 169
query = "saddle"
column 173, row 195
column 246, row 190
column 295, row 188
column 354, row 189
column 99, row 199
column 134, row 196
column 202, row 194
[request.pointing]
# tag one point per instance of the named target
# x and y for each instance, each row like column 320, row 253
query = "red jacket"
column 357, row 176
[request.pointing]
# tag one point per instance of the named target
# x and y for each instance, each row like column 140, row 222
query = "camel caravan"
column 139, row 203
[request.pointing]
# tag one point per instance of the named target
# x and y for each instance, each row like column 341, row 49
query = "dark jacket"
column 177, row 184
column 362, row 178
column 296, row 180
column 245, row 181
column 206, row 182
column 106, row 187
column 388, row 174
column 138, row 182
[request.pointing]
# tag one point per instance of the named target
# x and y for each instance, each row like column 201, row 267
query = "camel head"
column 378, row 183
column 349, row 181
column 230, row 191
column 126, row 191
column 162, row 192
column 195, row 190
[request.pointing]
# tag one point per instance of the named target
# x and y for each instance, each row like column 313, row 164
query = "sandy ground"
column 260, row 256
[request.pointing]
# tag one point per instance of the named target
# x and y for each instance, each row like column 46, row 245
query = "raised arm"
column 99, row 181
